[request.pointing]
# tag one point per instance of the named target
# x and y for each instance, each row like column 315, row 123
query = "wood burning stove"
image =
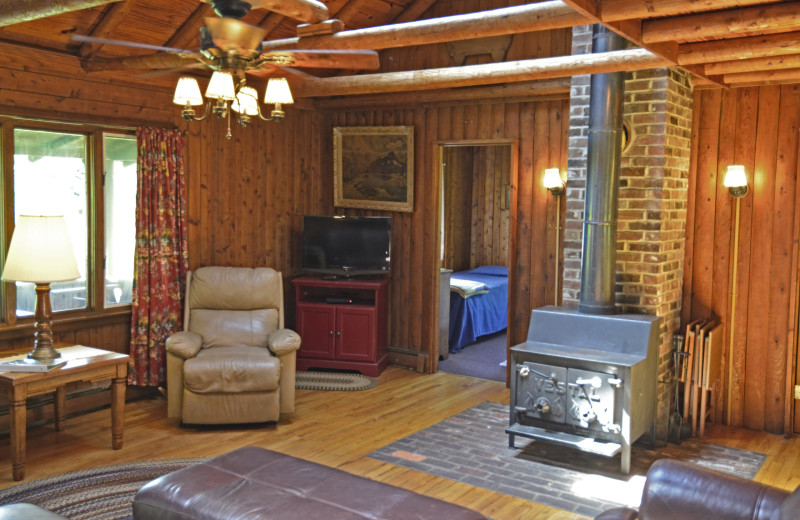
column 587, row 381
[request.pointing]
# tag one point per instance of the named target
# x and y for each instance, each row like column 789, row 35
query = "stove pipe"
column 598, row 263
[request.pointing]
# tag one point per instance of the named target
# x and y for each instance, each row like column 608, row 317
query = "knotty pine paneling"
column 756, row 127
column 538, row 131
column 37, row 83
column 476, row 204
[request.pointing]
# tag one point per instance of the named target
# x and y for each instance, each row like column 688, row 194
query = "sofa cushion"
column 232, row 369
column 252, row 482
column 229, row 328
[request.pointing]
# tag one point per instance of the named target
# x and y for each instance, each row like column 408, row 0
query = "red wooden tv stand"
column 342, row 324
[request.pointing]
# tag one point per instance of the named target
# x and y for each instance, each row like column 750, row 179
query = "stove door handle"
column 615, row 382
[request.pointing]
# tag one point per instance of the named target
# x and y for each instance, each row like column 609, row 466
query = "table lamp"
column 41, row 252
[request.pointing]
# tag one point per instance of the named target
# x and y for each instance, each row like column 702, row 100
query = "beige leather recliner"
column 233, row 362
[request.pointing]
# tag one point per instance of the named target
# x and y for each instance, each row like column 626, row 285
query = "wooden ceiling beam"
column 18, row 11
column 188, row 34
column 307, row 11
column 106, row 26
column 615, row 10
column 484, row 74
column 739, row 48
column 790, row 61
column 551, row 88
column 141, row 63
column 724, row 24
column 414, row 11
column 552, row 14
column 769, row 77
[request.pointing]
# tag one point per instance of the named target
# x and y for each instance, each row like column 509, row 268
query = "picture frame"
column 373, row 167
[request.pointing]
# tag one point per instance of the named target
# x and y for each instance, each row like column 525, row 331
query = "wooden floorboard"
column 338, row 429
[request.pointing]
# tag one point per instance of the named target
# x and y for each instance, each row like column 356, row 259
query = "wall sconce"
column 553, row 181
column 736, row 180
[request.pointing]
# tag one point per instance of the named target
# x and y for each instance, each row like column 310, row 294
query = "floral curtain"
column 162, row 258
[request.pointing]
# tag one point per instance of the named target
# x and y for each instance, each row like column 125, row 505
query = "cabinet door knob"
column 330, row 333
column 338, row 333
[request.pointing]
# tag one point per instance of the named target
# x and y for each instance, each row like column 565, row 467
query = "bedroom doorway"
column 475, row 233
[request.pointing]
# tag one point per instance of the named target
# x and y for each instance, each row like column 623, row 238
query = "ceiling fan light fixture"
column 187, row 92
column 278, row 92
column 221, row 87
column 246, row 102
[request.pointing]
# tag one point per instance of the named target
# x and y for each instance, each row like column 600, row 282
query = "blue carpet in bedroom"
column 481, row 359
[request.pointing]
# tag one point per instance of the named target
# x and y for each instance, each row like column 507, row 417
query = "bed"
column 478, row 304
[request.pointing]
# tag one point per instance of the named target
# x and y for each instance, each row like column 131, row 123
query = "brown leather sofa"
column 255, row 483
column 234, row 362
column 676, row 490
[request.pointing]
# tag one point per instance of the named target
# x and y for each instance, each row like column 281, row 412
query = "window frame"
column 10, row 324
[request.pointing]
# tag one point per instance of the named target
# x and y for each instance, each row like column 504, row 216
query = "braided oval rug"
column 313, row 380
column 104, row 493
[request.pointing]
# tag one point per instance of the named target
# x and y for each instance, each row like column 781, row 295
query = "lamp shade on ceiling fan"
column 246, row 101
column 221, row 86
column 187, row 92
column 278, row 92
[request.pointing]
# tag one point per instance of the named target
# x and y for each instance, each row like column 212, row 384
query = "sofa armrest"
column 676, row 489
column 618, row 513
column 283, row 341
column 184, row 344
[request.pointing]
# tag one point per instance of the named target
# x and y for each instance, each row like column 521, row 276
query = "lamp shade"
column 278, row 92
column 246, row 101
column 552, row 179
column 221, row 86
column 40, row 251
column 735, row 177
column 187, row 92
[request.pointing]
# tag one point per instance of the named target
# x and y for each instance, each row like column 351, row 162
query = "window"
column 89, row 176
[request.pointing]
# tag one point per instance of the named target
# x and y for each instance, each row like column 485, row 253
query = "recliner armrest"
column 184, row 344
column 283, row 341
column 677, row 489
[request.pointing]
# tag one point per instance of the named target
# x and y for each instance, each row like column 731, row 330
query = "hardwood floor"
column 337, row 429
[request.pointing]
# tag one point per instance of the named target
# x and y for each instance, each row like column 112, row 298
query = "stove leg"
column 511, row 441
column 625, row 465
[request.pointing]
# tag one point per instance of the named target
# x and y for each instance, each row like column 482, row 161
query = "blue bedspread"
column 479, row 314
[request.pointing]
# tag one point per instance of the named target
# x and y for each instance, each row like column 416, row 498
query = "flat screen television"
column 347, row 246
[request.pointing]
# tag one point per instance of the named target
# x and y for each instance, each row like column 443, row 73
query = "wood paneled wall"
column 756, row 127
column 477, row 200
column 41, row 84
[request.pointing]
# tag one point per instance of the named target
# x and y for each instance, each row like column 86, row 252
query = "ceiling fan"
column 232, row 49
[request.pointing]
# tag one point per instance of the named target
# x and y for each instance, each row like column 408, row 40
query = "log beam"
column 541, row 16
column 615, row 10
column 724, row 24
column 525, row 90
column 484, row 74
column 413, row 11
column 18, row 11
column 790, row 61
column 308, row 11
column 106, row 26
column 739, row 48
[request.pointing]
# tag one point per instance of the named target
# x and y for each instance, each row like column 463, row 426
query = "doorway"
column 476, row 220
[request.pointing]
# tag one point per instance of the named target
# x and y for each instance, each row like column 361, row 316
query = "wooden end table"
column 83, row 364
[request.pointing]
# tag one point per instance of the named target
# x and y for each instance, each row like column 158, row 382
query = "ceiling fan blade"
column 121, row 43
column 149, row 61
column 324, row 59
column 267, row 70
column 233, row 34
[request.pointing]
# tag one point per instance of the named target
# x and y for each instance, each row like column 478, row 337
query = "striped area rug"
column 104, row 493
column 313, row 380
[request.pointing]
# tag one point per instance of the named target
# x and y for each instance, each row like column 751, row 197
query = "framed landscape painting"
column 373, row 167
